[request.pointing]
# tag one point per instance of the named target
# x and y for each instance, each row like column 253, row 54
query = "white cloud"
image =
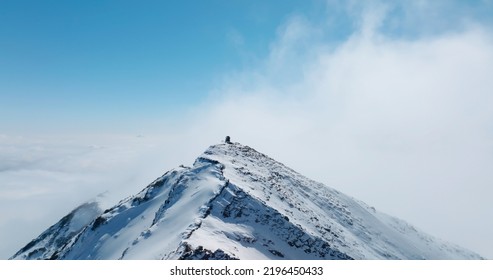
column 404, row 124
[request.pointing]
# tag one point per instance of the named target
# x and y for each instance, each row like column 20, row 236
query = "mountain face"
column 236, row 203
column 46, row 245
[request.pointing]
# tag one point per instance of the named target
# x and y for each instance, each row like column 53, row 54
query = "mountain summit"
column 236, row 203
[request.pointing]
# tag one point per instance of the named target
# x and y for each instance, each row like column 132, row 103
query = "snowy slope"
column 60, row 233
column 236, row 203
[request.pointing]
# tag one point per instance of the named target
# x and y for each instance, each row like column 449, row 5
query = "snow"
column 235, row 202
column 45, row 245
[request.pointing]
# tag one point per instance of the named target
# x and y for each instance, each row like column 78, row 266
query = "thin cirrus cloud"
column 400, row 122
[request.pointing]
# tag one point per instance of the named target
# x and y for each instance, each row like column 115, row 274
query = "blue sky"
column 104, row 62
column 101, row 64
column 387, row 101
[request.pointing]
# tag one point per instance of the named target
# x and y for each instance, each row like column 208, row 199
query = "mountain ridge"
column 237, row 203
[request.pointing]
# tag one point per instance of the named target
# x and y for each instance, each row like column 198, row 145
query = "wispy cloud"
column 402, row 122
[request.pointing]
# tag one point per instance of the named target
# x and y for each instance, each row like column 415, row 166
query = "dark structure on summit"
column 228, row 140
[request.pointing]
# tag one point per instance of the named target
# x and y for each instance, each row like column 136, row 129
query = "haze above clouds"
column 396, row 112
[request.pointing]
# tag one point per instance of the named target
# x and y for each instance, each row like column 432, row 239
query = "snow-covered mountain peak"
column 237, row 203
column 237, row 155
